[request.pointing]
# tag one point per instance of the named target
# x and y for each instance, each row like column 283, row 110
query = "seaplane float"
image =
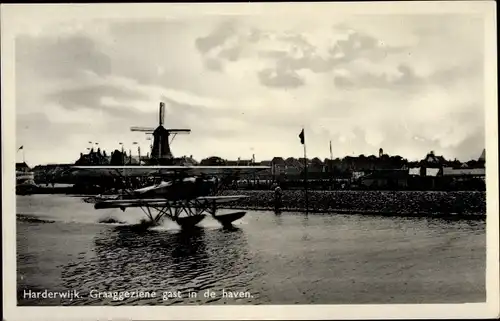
column 184, row 194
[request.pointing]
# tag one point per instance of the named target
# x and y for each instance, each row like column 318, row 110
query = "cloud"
column 216, row 38
column 253, row 82
column 280, row 78
column 289, row 52
column 60, row 56
column 402, row 76
column 93, row 96
column 49, row 141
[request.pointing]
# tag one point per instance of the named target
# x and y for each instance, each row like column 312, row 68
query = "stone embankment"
column 458, row 204
column 397, row 203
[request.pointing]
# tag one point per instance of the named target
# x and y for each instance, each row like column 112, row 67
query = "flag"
column 302, row 137
column 22, row 147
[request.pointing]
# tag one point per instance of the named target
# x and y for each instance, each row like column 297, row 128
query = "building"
column 316, row 169
column 213, row 161
column 433, row 161
column 479, row 163
column 25, row 178
column 279, row 166
column 52, row 172
column 464, row 172
column 482, row 158
column 464, row 178
column 189, row 160
column 22, row 167
column 94, row 158
column 239, row 162
column 385, row 179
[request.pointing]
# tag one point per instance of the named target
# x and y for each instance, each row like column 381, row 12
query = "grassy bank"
column 407, row 203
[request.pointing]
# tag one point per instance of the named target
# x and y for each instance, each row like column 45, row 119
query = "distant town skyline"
column 135, row 156
column 248, row 84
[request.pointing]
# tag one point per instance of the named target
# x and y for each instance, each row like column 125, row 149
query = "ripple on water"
column 278, row 259
column 162, row 260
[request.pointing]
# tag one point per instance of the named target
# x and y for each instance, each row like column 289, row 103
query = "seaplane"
column 186, row 194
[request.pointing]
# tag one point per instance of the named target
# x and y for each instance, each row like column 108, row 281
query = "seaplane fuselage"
column 184, row 195
column 187, row 188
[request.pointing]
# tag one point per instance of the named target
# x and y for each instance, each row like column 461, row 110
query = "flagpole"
column 302, row 137
column 305, row 177
column 24, row 158
column 330, row 166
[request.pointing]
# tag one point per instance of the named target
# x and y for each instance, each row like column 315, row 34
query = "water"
column 285, row 259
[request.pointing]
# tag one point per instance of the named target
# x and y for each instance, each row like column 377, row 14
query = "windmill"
column 161, row 152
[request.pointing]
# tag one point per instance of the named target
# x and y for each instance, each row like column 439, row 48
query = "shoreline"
column 453, row 205
column 449, row 216
column 432, row 204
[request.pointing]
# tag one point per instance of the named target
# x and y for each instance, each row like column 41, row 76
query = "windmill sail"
column 162, row 114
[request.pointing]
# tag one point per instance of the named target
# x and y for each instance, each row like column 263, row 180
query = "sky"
column 248, row 84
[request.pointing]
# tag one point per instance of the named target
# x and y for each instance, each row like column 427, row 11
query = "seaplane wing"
column 161, row 202
column 167, row 170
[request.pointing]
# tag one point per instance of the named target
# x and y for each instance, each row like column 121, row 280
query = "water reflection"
column 292, row 258
column 188, row 249
column 278, row 219
column 305, row 221
column 154, row 260
column 440, row 226
column 231, row 263
column 305, row 232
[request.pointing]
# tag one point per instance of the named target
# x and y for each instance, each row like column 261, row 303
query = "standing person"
column 277, row 199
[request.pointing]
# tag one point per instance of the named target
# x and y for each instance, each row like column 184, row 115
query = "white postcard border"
column 26, row 18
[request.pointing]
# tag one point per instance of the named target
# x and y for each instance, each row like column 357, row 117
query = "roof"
column 449, row 171
column 387, row 173
column 431, row 158
column 294, row 162
column 315, row 168
column 278, row 160
column 414, row 171
column 22, row 165
column 317, row 161
column 431, row 171
column 293, row 170
column 483, row 156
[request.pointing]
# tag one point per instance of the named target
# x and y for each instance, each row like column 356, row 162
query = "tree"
column 83, row 160
column 117, row 158
column 213, row 161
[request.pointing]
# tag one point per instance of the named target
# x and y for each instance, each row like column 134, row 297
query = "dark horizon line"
column 298, row 158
